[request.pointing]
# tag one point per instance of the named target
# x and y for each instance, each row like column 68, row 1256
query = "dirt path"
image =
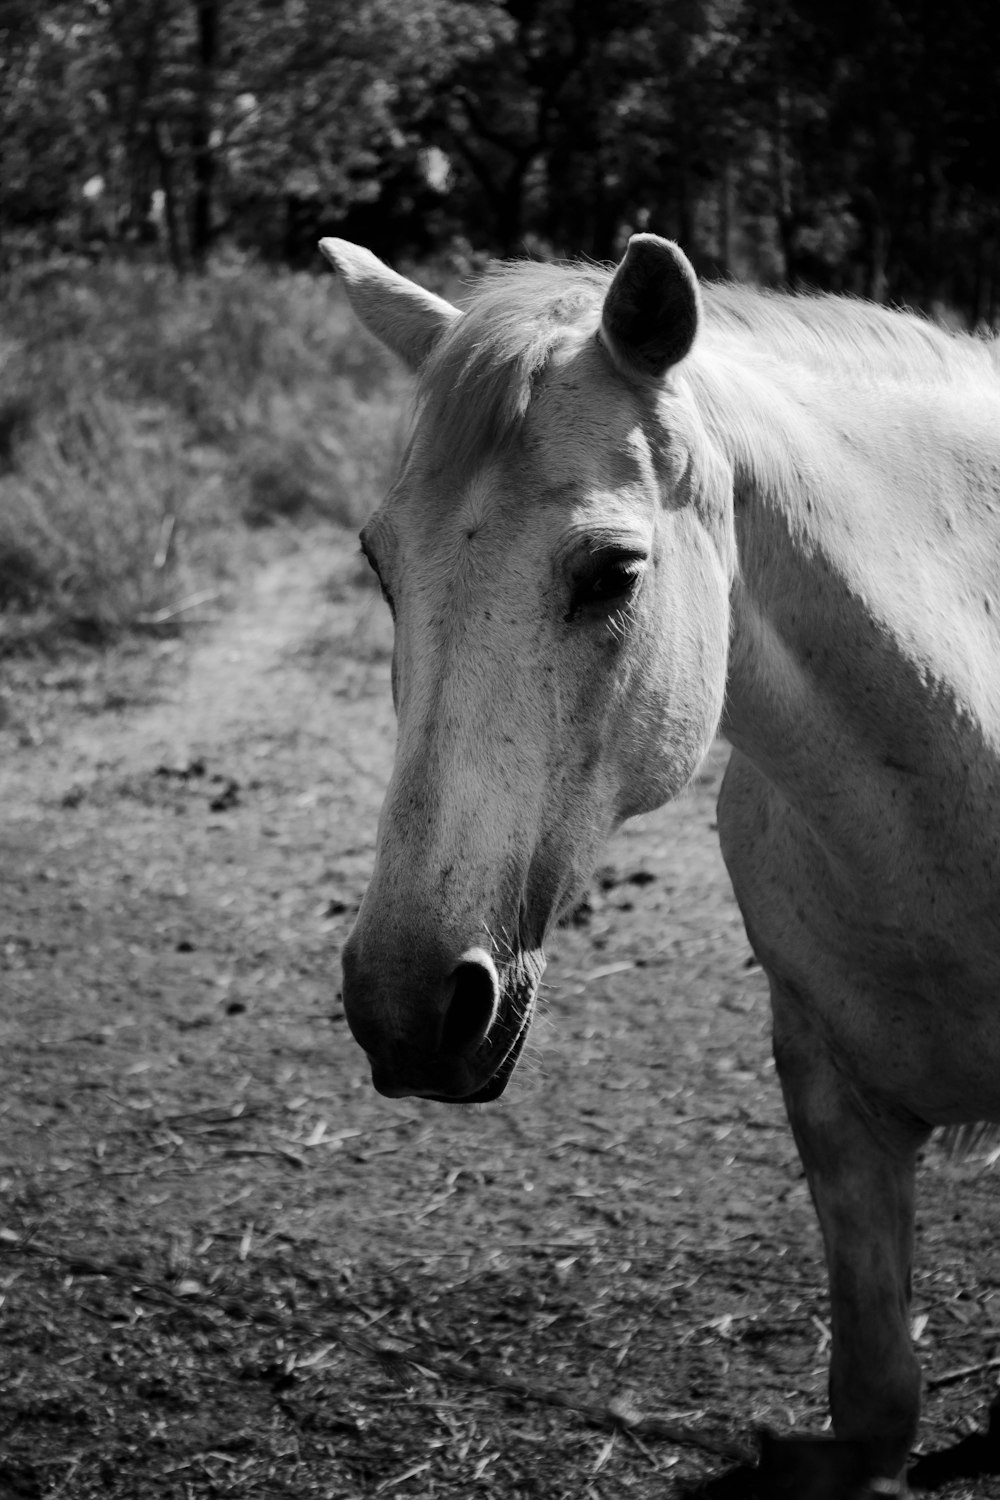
column 208, row 1219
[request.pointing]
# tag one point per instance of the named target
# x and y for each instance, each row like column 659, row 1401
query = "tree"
column 848, row 146
column 326, row 102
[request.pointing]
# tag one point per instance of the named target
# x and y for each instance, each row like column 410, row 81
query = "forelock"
column 475, row 387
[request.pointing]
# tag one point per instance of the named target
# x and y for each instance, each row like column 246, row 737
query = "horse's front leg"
column 860, row 1160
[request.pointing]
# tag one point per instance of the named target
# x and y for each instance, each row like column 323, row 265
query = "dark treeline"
column 846, row 144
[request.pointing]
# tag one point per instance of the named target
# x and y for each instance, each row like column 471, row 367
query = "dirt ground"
column 227, row 1267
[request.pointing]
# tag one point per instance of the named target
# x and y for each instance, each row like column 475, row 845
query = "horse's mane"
column 476, row 385
column 841, row 334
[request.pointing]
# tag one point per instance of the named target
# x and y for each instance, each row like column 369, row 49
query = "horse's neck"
column 868, row 551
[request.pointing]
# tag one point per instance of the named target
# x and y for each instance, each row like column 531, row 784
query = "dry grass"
column 147, row 424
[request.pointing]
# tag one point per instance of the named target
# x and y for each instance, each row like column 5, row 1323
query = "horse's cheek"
column 680, row 681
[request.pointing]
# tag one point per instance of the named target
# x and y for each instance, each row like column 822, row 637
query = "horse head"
column 557, row 553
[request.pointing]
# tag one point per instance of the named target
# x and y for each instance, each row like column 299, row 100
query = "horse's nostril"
column 475, row 990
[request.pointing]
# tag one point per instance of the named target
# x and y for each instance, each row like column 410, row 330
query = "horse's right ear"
column 652, row 309
column 406, row 318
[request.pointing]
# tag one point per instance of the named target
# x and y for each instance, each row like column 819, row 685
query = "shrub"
column 143, row 418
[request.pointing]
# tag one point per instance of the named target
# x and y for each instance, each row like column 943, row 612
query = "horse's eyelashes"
column 609, row 582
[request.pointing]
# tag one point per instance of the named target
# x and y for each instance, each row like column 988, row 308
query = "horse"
column 636, row 511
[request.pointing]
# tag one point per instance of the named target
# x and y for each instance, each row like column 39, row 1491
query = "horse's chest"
column 887, row 918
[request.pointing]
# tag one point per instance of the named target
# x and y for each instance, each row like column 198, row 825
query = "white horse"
column 632, row 512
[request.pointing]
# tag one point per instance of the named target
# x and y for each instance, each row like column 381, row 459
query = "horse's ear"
column 406, row 318
column 652, row 309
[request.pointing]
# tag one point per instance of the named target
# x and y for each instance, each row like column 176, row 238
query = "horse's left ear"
column 407, row 318
column 652, row 309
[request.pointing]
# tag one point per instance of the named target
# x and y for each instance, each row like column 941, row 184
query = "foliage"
column 850, row 147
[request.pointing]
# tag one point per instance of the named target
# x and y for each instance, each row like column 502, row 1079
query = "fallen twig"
column 171, row 611
column 949, row 1377
column 595, row 1413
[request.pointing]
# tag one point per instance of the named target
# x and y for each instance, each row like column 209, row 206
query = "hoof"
column 972, row 1458
column 811, row 1468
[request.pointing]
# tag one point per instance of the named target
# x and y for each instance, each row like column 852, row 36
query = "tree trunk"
column 727, row 218
column 165, row 165
column 202, row 156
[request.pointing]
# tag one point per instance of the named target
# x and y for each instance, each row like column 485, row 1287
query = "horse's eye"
column 609, row 582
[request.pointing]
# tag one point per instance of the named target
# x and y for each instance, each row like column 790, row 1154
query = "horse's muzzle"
column 455, row 1039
